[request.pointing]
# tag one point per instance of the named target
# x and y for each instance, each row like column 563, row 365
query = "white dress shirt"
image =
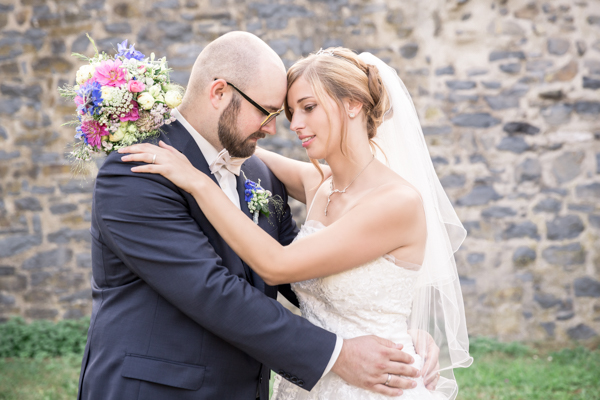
column 227, row 182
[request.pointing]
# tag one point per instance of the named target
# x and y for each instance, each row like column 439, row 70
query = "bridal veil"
column 438, row 304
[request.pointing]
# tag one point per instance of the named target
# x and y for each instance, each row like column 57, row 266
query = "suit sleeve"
column 146, row 221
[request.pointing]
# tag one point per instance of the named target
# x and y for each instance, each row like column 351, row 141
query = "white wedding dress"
column 372, row 299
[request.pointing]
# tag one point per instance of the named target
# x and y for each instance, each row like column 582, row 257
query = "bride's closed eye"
column 309, row 108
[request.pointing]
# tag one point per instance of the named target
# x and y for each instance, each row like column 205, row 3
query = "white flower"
column 107, row 93
column 145, row 100
column 84, row 73
column 173, row 99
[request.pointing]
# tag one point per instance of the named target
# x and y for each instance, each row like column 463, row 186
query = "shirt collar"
column 207, row 149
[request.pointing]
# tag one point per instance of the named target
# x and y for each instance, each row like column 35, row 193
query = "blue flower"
column 128, row 53
column 91, row 98
column 248, row 195
column 81, row 135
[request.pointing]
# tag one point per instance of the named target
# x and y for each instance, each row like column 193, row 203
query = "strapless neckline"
column 313, row 223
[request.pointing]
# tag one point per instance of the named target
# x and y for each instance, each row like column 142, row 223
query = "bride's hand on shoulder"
column 164, row 160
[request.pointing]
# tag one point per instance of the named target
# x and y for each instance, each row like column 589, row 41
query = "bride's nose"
column 297, row 123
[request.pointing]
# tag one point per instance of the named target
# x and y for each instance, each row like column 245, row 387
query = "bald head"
column 238, row 57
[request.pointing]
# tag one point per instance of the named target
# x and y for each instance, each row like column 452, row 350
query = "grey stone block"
column 409, row 50
column 598, row 163
column 557, row 114
column 46, row 259
column 166, row 4
column 118, row 27
column 549, row 205
column 570, row 254
column 587, row 107
column 460, row 85
column 511, row 68
column 28, row 204
column 565, row 311
column 464, row 281
column 77, row 187
column 10, row 106
column 567, row 166
column 502, row 102
column 528, row 170
column 437, row 160
column 538, row 65
column 65, row 235
column 480, row 195
column 514, row 128
column 437, row 130
column 581, row 332
column 523, row 256
column 41, row 313
column 588, row 191
column 558, row 46
column 515, row 144
column 477, row 71
column 594, row 220
column 453, row 180
column 81, row 44
column 63, row 208
column 586, row 208
column 549, row 327
column 593, row 19
column 591, row 83
column 179, row 31
column 457, row 98
column 85, row 294
column 9, row 156
column 586, row 287
column 6, row 300
column 498, row 212
column 524, row 229
column 551, row 94
column 491, row 84
column 546, row 300
column 449, row 70
column 567, row 227
column 84, row 260
column 472, row 226
column 38, row 278
column 501, row 55
column 6, row 270
column 475, row 258
column 475, row 120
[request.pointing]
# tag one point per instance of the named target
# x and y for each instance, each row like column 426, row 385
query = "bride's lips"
column 307, row 140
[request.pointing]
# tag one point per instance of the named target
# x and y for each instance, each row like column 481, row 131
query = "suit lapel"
column 184, row 142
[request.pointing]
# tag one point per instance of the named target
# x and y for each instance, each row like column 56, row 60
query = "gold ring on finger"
column 387, row 382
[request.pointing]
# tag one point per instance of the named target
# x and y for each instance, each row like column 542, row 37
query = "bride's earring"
column 351, row 115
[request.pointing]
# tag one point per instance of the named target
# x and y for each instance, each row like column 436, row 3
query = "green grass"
column 514, row 371
column 39, row 379
column 501, row 371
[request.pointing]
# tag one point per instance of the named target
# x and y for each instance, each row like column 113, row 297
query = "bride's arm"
column 298, row 177
column 375, row 227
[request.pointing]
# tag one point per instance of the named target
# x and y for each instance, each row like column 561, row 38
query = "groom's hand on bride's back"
column 366, row 361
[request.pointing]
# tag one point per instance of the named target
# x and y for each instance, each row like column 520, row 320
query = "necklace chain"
column 332, row 190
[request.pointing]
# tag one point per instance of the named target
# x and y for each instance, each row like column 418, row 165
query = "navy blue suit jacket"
column 176, row 313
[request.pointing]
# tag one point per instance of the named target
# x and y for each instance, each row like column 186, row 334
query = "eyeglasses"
column 270, row 115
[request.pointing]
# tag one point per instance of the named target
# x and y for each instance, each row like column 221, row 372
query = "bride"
column 376, row 253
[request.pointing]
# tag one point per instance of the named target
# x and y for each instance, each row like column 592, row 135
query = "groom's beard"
column 229, row 135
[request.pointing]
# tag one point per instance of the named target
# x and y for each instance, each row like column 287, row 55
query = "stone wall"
column 507, row 92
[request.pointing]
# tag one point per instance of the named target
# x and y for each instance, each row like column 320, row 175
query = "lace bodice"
column 372, row 299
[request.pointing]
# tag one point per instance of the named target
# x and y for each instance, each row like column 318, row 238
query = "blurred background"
column 507, row 93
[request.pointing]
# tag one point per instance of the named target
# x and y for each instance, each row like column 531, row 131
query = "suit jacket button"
column 300, row 382
column 294, row 379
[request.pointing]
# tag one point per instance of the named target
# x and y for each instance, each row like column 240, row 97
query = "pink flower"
column 136, row 86
column 133, row 114
column 142, row 69
column 94, row 132
column 110, row 73
column 79, row 103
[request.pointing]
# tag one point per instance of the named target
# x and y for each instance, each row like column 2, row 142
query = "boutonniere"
column 259, row 199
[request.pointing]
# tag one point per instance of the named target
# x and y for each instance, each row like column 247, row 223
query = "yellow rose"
column 120, row 133
column 145, row 100
column 173, row 98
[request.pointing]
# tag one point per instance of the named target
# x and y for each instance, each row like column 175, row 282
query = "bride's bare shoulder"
column 396, row 197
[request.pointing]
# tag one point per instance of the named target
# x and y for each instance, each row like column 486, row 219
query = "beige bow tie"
column 224, row 160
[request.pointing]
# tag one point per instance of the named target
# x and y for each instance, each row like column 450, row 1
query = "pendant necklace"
column 332, row 190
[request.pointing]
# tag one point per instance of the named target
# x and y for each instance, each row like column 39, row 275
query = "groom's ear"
column 217, row 93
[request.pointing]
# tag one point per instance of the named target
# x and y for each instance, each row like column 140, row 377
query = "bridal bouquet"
column 120, row 100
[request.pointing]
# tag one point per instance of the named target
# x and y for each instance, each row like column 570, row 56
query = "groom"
column 176, row 313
